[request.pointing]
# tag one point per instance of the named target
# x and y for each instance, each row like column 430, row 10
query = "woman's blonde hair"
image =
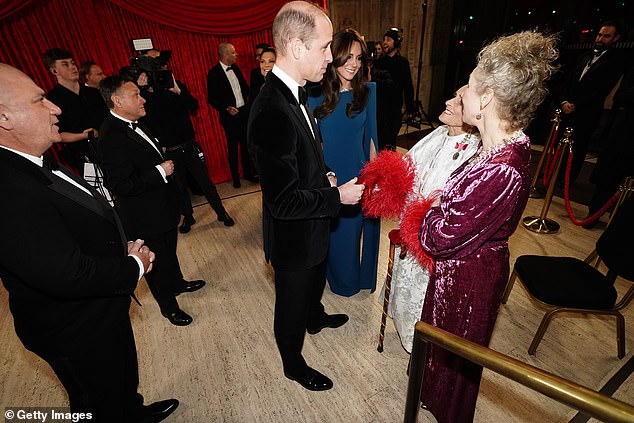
column 516, row 67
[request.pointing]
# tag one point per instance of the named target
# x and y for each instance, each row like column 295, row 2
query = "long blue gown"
column 346, row 149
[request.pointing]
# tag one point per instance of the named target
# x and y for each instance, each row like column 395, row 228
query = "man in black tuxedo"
column 67, row 265
column 586, row 87
column 228, row 92
column 145, row 192
column 299, row 197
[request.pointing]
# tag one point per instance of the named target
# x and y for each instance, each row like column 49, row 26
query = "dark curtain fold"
column 210, row 17
column 102, row 31
column 9, row 7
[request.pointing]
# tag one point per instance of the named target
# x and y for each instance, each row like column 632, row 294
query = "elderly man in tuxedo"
column 145, row 191
column 67, row 265
column 299, row 197
column 228, row 92
column 586, row 87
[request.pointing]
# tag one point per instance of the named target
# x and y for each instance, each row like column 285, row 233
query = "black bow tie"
column 303, row 96
column 230, row 68
column 134, row 125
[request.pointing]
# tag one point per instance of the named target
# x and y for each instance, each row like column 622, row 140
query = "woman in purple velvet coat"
column 467, row 231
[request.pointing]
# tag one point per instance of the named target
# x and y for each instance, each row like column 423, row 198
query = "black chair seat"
column 565, row 282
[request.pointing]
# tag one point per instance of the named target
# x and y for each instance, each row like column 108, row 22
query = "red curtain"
column 212, row 17
column 102, row 30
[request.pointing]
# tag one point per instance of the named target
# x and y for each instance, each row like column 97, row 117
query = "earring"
column 478, row 116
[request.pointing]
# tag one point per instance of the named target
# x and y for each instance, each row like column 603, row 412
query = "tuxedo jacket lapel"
column 71, row 192
column 134, row 136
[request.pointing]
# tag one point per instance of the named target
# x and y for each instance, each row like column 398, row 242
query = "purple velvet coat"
column 467, row 235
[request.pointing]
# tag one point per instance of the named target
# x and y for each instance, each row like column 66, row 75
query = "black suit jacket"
column 63, row 259
column 589, row 93
column 298, row 200
column 147, row 205
column 219, row 92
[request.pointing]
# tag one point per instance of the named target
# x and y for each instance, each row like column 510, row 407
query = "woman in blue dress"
column 345, row 107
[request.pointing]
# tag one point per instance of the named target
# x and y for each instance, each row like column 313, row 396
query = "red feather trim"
column 388, row 179
column 410, row 230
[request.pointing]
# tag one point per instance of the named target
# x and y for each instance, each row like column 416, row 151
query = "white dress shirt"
column 294, row 87
column 235, row 85
column 138, row 130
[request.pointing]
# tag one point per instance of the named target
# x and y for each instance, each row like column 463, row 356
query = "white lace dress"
column 436, row 157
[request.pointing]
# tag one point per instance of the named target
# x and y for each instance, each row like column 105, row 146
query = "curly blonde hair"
column 516, row 67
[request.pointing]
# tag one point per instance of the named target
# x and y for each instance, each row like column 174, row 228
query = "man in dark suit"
column 67, row 265
column 169, row 117
column 400, row 75
column 299, row 198
column 616, row 160
column 145, row 192
column 586, row 87
column 228, row 92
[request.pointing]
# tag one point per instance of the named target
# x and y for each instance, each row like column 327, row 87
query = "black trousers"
column 103, row 378
column 186, row 161
column 236, row 132
column 297, row 304
column 166, row 276
column 583, row 124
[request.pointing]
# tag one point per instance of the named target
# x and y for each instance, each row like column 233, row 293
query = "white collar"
column 39, row 161
column 287, row 80
column 128, row 121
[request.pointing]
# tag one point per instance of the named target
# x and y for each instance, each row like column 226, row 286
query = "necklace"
column 461, row 146
column 344, row 90
column 485, row 154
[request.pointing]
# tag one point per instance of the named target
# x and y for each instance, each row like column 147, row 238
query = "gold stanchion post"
column 542, row 224
column 536, row 189
column 626, row 189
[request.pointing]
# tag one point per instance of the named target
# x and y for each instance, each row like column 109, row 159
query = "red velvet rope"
column 595, row 216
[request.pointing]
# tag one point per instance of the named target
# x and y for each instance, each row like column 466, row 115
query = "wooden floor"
column 225, row 366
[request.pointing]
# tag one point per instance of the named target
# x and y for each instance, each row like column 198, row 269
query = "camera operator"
column 169, row 106
column 398, row 67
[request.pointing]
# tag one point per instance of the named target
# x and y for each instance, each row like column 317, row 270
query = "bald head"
column 227, row 53
column 296, row 19
column 302, row 34
column 27, row 118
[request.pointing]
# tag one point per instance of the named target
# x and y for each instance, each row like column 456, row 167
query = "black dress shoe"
column 178, row 317
column 237, row 184
column 187, row 224
column 190, row 286
column 226, row 219
column 330, row 321
column 311, row 379
column 158, row 411
column 253, row 179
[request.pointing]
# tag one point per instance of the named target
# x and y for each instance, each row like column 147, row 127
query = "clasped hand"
column 351, row 192
column 138, row 249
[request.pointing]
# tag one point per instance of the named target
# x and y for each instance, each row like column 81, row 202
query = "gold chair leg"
column 509, row 286
column 541, row 330
column 620, row 335
column 386, row 299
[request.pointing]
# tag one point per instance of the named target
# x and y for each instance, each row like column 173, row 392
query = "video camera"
column 159, row 78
